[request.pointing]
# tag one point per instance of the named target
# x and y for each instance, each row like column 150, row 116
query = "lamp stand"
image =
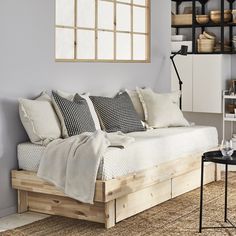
column 180, row 81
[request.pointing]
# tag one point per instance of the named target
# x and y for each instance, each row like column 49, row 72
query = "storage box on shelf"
column 182, row 19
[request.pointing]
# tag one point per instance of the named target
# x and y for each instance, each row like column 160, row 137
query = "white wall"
column 27, row 67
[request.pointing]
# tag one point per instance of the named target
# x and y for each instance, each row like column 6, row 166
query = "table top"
column 217, row 157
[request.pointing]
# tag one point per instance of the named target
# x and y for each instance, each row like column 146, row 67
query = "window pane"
column 123, row 18
column 86, row 13
column 85, row 44
column 64, row 43
column 139, row 47
column 105, row 45
column 139, row 15
column 127, row 1
column 140, row 2
column 105, row 15
column 123, row 46
column 65, row 12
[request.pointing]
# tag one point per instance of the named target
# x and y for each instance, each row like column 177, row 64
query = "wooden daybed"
column 115, row 199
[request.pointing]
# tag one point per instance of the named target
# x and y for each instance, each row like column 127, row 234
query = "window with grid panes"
column 103, row 30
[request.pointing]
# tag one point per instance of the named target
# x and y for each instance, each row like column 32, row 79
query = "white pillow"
column 70, row 96
column 174, row 96
column 161, row 109
column 136, row 102
column 39, row 119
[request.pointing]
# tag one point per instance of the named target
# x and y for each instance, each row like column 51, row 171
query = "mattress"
column 150, row 149
column 29, row 156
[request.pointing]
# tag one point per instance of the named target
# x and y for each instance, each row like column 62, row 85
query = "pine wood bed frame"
column 115, row 199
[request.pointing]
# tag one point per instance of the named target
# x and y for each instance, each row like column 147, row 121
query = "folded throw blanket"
column 72, row 164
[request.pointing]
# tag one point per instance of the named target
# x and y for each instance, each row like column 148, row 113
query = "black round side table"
column 216, row 157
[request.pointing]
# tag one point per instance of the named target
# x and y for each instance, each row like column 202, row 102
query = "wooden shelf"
column 209, row 25
column 229, row 119
column 201, row 1
column 230, row 96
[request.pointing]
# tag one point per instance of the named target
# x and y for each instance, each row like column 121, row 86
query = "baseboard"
column 8, row 211
column 230, row 167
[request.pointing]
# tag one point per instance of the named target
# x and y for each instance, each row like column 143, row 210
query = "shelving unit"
column 196, row 25
column 226, row 98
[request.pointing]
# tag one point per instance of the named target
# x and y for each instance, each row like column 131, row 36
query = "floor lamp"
column 183, row 52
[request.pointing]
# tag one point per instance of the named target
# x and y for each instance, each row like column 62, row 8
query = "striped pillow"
column 118, row 113
column 74, row 115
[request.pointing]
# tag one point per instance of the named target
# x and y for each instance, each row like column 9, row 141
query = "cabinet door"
column 184, row 65
column 207, row 83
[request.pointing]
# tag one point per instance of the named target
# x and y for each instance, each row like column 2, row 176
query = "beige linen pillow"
column 161, row 110
column 136, row 102
column 70, row 97
column 39, row 119
column 174, row 96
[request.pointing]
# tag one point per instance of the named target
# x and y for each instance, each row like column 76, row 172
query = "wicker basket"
column 182, row 19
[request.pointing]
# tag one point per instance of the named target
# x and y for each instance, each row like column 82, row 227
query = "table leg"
column 226, row 191
column 201, row 196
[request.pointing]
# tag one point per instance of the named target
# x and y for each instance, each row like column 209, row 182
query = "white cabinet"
column 204, row 78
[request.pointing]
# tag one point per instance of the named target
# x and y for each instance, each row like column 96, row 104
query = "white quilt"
column 72, row 164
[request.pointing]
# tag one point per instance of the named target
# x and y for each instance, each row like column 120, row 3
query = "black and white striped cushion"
column 75, row 115
column 117, row 114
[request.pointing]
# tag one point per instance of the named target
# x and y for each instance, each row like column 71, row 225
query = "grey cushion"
column 117, row 114
column 75, row 115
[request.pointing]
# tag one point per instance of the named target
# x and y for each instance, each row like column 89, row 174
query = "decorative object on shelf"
column 230, row 108
column 206, row 42
column 234, row 42
column 226, row 47
column 183, row 51
column 229, row 105
column 205, row 45
column 209, row 35
column 229, row 115
column 178, row 38
column 202, row 19
column 182, row 19
column 215, row 16
column 232, row 87
column 234, row 16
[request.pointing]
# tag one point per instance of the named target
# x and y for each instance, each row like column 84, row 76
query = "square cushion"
column 74, row 115
column 70, row 96
column 161, row 110
column 117, row 114
column 39, row 119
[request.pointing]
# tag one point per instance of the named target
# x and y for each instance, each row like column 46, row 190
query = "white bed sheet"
column 150, row 149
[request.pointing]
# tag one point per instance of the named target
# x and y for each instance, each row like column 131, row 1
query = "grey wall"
column 27, row 67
